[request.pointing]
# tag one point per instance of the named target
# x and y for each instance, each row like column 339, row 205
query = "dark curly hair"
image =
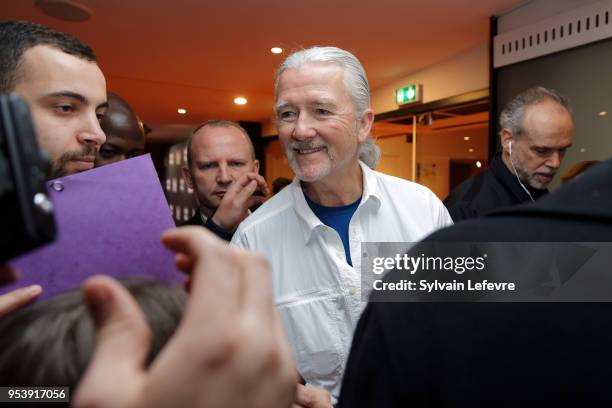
column 17, row 37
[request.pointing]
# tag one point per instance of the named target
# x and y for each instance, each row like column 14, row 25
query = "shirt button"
column 57, row 186
column 352, row 291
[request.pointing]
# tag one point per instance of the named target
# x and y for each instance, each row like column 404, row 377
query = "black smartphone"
column 26, row 211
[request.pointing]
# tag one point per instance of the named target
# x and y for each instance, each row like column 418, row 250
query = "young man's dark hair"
column 59, row 79
column 50, row 343
column 17, row 37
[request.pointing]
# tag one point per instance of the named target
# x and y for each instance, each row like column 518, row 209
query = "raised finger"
column 184, row 262
column 261, row 182
column 246, row 192
column 215, row 285
column 18, row 298
column 123, row 338
column 258, row 287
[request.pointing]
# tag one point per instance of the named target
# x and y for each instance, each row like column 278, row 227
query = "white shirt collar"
column 310, row 221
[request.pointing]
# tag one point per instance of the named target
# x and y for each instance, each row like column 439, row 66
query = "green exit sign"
column 408, row 94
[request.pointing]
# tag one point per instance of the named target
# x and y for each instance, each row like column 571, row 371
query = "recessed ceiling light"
column 471, row 150
column 67, row 10
column 466, row 138
column 582, row 150
column 478, row 164
column 276, row 50
column 603, row 113
column 181, row 111
column 240, row 100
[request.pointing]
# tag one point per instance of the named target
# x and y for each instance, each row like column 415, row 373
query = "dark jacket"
column 209, row 224
column 494, row 188
column 495, row 354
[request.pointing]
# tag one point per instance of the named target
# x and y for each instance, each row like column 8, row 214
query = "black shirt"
column 209, row 225
column 494, row 188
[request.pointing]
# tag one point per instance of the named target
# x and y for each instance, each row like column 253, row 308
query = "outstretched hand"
column 18, row 297
column 228, row 350
column 311, row 397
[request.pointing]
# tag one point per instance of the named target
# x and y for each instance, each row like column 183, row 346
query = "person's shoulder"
column 195, row 220
column 414, row 201
column 269, row 211
column 399, row 185
column 468, row 189
column 473, row 197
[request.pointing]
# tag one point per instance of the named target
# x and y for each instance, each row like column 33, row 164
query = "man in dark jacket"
column 501, row 354
column 536, row 130
column 223, row 172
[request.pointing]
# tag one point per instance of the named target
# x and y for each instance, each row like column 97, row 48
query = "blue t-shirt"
column 337, row 218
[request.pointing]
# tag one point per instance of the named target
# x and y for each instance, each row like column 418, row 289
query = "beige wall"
column 434, row 173
column 396, row 156
column 466, row 72
column 435, row 149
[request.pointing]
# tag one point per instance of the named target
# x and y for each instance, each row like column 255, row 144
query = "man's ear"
column 256, row 166
column 365, row 125
column 505, row 139
column 187, row 176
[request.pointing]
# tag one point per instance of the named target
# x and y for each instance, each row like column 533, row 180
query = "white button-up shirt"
column 316, row 291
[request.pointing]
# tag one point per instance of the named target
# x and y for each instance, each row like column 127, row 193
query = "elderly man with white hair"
column 311, row 232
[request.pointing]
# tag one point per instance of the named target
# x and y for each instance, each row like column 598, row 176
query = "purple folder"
column 109, row 221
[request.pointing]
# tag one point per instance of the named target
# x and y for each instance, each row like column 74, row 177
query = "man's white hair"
column 355, row 81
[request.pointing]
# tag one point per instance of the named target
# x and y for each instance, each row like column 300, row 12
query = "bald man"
column 536, row 131
column 125, row 137
column 223, row 172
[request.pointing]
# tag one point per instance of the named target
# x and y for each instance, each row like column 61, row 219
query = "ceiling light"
column 471, row 150
column 603, row 113
column 276, row 50
column 181, row 111
column 466, row 138
column 67, row 10
column 582, row 150
column 240, row 100
column 478, row 164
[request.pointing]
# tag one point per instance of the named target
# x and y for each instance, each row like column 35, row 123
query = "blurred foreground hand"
column 18, row 297
column 228, row 351
column 311, row 397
